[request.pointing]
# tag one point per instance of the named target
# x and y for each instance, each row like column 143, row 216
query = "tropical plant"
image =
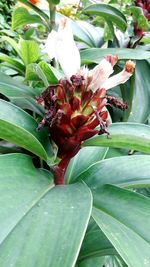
column 74, row 189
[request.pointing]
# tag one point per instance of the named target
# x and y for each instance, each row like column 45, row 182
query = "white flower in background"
column 61, row 46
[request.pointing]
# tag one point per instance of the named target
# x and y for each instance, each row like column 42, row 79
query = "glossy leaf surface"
column 125, row 229
column 94, row 55
column 23, row 126
column 29, row 198
column 85, row 157
column 21, row 17
column 124, row 135
column 127, row 171
column 108, row 12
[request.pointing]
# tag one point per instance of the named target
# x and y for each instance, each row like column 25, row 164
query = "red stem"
column 59, row 171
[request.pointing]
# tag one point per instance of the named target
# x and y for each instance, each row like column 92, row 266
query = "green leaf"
column 37, row 10
column 108, row 12
column 12, row 88
column 20, row 94
column 141, row 97
column 21, row 16
column 21, row 186
column 38, row 218
column 95, row 244
column 127, row 171
column 95, row 34
column 95, row 55
column 13, row 43
column 50, row 72
column 80, row 34
column 85, row 157
column 28, row 103
column 125, row 229
column 29, row 51
column 18, row 127
column 92, row 262
column 56, row 2
column 15, row 64
column 124, row 135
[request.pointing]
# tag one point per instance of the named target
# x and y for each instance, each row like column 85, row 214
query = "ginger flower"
column 75, row 106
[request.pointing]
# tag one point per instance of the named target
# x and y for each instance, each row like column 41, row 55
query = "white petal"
column 51, row 44
column 100, row 74
column 67, row 52
column 121, row 77
column 84, row 71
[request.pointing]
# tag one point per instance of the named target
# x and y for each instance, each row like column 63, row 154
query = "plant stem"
column 52, row 10
column 59, row 171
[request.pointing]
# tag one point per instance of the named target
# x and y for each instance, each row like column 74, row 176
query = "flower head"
column 75, row 106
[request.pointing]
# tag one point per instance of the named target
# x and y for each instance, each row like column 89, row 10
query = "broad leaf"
column 20, row 94
column 29, row 51
column 12, row 88
column 21, row 17
column 43, row 72
column 13, row 43
column 37, row 10
column 95, row 34
column 47, row 218
column 127, row 171
column 85, row 157
column 95, row 244
column 124, row 135
column 92, row 262
column 28, row 103
column 18, row 127
column 21, row 186
column 15, row 64
column 80, row 34
column 141, row 97
column 108, row 12
column 94, row 55
column 52, row 74
column 125, row 229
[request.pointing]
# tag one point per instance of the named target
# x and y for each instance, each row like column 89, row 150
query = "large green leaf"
column 94, row 55
column 13, row 43
column 15, row 64
column 20, row 94
column 80, row 34
column 141, row 97
column 21, row 17
column 29, row 51
column 129, row 135
column 39, row 11
column 38, row 220
column 127, row 171
column 96, row 34
column 92, row 262
column 21, row 186
column 43, row 72
column 17, row 126
column 28, row 103
column 85, row 157
column 12, row 88
column 124, row 217
column 95, row 244
column 109, row 13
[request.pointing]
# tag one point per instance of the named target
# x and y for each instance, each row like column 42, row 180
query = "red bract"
column 72, row 114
